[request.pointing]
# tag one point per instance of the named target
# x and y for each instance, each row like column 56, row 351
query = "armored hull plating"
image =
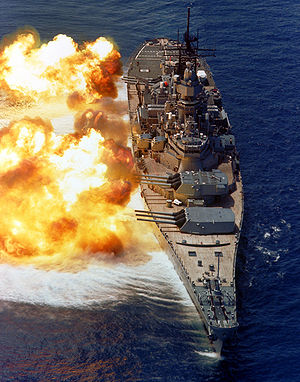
column 188, row 167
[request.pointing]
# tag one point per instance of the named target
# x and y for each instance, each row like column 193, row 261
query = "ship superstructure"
column 188, row 167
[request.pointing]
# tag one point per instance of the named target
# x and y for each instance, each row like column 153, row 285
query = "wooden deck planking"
column 157, row 202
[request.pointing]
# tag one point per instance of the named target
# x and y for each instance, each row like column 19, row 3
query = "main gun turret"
column 194, row 220
column 199, row 185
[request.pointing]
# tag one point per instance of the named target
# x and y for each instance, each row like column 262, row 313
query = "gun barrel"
column 174, row 215
column 157, row 221
column 155, row 212
column 148, row 179
column 154, row 176
column 156, row 216
column 156, row 183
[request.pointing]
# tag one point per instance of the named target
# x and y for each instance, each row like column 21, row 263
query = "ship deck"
column 197, row 253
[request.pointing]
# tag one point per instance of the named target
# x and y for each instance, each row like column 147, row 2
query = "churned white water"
column 94, row 285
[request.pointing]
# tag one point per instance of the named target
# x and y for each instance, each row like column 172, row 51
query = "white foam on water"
column 276, row 229
column 271, row 256
column 94, row 285
column 211, row 355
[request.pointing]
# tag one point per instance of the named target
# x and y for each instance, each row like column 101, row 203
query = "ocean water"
column 137, row 323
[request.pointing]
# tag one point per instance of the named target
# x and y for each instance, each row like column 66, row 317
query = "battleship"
column 188, row 168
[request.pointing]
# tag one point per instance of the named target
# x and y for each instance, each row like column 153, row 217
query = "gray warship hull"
column 188, row 168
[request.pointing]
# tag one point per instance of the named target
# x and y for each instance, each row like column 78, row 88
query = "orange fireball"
column 62, row 196
column 60, row 67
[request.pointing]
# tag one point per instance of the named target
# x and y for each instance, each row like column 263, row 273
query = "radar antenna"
column 187, row 38
column 192, row 50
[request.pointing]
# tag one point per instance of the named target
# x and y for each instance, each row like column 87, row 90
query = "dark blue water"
column 141, row 327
